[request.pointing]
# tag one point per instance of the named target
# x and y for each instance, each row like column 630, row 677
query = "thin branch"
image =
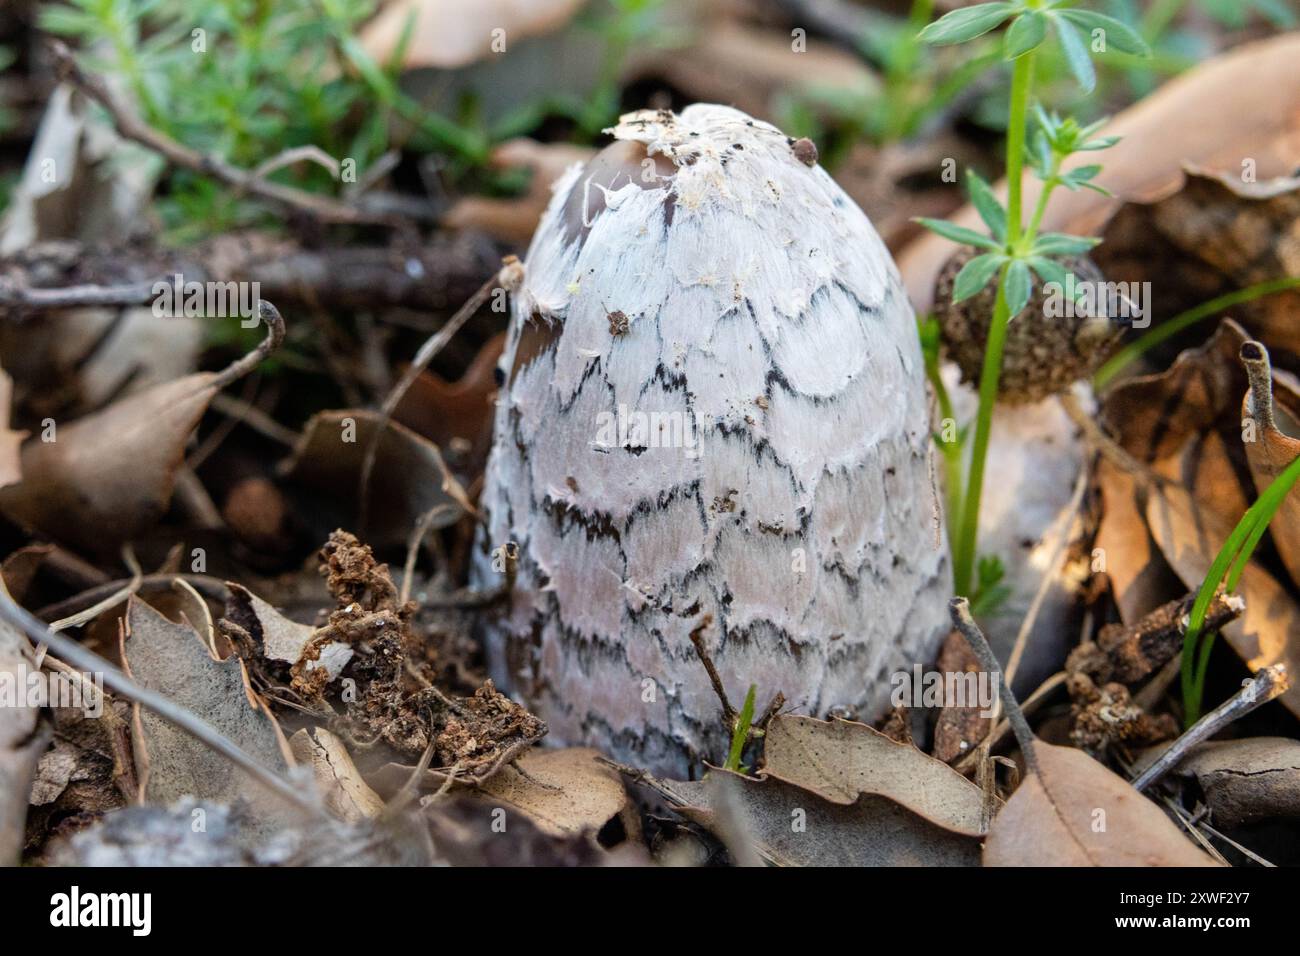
column 133, row 128
column 509, row 278
column 959, row 609
column 77, row 296
column 1270, row 682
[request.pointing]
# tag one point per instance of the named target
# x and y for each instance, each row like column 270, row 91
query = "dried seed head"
column 1044, row 354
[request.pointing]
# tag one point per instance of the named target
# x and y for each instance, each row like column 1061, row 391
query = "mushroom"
column 713, row 423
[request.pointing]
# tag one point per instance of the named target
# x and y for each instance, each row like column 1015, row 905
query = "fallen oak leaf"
column 1070, row 810
column 840, row 760
column 175, row 659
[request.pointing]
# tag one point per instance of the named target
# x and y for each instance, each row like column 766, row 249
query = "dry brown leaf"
column 173, row 659
column 409, row 480
column 346, row 795
column 1268, row 632
column 840, row 760
column 789, row 826
column 108, row 476
column 1269, row 451
column 561, row 791
column 1140, row 577
column 446, row 34
column 461, row 411
column 1078, row 813
column 1247, row 781
column 1250, row 97
column 1185, row 425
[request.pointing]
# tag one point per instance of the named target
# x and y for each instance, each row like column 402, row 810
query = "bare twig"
column 509, row 277
column 77, row 296
column 259, row 421
column 133, row 128
column 959, row 609
column 114, row 599
column 697, row 638
column 1270, row 682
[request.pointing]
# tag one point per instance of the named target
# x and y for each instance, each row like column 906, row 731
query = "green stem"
column 1167, row 330
column 965, row 547
column 951, row 449
column 1159, row 16
column 1040, row 210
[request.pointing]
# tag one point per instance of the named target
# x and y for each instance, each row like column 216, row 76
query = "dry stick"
column 1244, row 851
column 959, row 608
column 77, row 296
column 113, row 600
column 508, row 277
column 237, row 369
column 206, row 584
column 1031, row 705
column 1255, row 692
column 413, row 548
column 133, row 128
column 259, row 421
column 74, row 654
column 697, row 638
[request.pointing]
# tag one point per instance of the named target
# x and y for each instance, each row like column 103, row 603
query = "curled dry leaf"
column 446, row 34
column 282, row 639
column 790, row 826
column 410, row 478
column 108, row 476
column 1184, row 425
column 175, row 660
column 1247, row 781
column 840, row 761
column 1270, row 449
column 1075, row 812
column 346, row 794
column 1251, row 97
column 562, row 792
